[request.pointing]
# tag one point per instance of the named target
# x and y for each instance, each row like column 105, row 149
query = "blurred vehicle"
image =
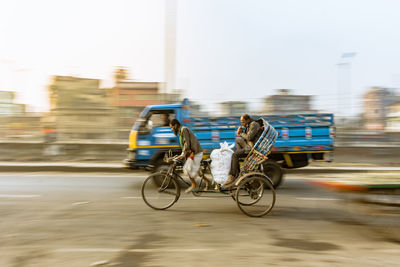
column 301, row 137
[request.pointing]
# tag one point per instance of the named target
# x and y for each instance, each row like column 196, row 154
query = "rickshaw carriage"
column 253, row 191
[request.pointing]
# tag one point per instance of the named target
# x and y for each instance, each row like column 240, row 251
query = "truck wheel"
column 274, row 172
column 160, row 167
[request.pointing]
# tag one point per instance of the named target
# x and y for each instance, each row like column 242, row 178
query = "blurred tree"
column 120, row 74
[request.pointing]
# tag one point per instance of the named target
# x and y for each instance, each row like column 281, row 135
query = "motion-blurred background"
column 80, row 72
column 75, row 75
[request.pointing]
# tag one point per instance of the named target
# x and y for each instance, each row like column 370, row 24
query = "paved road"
column 100, row 220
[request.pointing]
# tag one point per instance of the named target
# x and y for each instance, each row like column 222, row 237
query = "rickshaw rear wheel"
column 251, row 196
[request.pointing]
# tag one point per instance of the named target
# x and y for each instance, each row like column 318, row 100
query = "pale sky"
column 226, row 49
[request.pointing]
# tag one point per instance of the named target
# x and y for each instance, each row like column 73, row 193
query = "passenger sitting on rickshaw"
column 191, row 151
column 244, row 144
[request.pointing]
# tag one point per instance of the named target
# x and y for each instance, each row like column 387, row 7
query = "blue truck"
column 301, row 137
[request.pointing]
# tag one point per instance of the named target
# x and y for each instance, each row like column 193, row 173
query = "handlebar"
column 173, row 159
column 177, row 160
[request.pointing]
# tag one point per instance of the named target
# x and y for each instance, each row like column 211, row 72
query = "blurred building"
column 129, row 98
column 376, row 106
column 7, row 105
column 197, row 109
column 233, row 108
column 287, row 103
column 15, row 122
column 79, row 109
column 393, row 118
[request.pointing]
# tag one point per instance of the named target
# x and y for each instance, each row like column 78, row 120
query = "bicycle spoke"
column 169, row 192
column 251, row 197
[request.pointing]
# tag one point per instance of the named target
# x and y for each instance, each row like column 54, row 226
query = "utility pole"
column 170, row 45
column 344, row 100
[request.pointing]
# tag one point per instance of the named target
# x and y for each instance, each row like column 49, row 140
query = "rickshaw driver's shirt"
column 188, row 142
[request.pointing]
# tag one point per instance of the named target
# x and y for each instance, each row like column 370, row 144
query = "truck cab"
column 150, row 135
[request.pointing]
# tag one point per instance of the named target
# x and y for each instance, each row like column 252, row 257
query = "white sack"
column 192, row 166
column 221, row 162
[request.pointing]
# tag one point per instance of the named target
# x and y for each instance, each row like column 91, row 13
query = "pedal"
column 217, row 187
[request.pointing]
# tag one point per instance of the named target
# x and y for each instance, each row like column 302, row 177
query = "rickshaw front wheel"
column 160, row 191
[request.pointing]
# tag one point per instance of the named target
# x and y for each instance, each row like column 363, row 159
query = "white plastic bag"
column 187, row 167
column 192, row 166
column 221, row 162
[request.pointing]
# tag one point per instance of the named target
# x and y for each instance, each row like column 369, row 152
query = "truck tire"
column 160, row 166
column 298, row 161
column 158, row 161
column 274, row 171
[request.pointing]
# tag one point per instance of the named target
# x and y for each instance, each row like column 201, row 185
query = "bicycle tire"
column 155, row 195
column 255, row 205
column 233, row 195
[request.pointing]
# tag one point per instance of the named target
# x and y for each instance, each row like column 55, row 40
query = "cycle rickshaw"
column 253, row 191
